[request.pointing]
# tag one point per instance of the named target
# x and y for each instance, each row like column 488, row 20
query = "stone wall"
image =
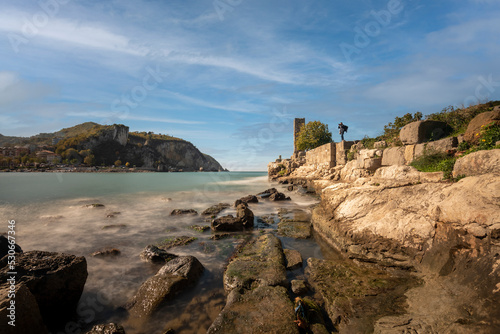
column 323, row 156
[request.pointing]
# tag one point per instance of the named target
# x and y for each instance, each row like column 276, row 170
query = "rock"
column 355, row 296
column 477, row 122
column 114, row 226
column 246, row 200
column 154, row 254
column 369, row 159
column 199, row 228
column 173, row 278
column 227, row 224
column 178, row 212
column 380, row 144
column 27, row 314
column 350, row 172
column 214, row 210
column 393, row 156
column 267, row 193
column 277, row 196
column 5, row 246
column 440, row 146
column 259, row 263
column 245, row 215
column 264, row 309
column 476, row 230
column 398, row 173
column 478, row 163
column 175, row 242
column 110, row 328
column 423, row 131
column 106, row 252
column 95, row 205
column 56, row 281
column 299, row 287
column 293, row 259
column 295, row 224
column 220, row 236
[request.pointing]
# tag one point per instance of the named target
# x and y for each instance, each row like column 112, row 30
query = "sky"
column 231, row 75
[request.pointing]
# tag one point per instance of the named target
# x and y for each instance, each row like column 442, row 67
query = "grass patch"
column 435, row 162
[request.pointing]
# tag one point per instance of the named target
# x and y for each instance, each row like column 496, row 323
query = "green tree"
column 118, row 163
column 312, row 135
column 89, row 160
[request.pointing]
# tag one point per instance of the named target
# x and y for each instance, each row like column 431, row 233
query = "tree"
column 118, row 163
column 89, row 160
column 312, row 135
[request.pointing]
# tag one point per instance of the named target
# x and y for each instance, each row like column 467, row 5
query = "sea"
column 53, row 212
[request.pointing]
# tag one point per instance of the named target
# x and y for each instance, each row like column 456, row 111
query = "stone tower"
column 298, row 123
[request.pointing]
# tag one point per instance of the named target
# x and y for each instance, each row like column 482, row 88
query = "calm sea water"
column 51, row 214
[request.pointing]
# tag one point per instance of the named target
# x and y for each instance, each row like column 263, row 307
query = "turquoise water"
column 51, row 214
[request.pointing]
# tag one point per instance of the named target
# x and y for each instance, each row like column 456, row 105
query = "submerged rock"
column 293, row 259
column 274, row 195
column 259, row 263
column 110, row 328
column 173, row 278
column 246, row 200
column 199, row 228
column 56, row 281
column 106, row 252
column 295, row 224
column 215, row 209
column 266, row 309
column 94, row 205
column 175, row 241
column 177, row 212
column 154, row 254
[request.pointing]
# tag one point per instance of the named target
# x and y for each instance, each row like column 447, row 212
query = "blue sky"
column 230, row 75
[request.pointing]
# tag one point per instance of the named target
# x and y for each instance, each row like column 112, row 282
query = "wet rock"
column 279, row 197
column 114, row 226
column 267, row 219
column 227, row 224
column 177, row 212
column 27, row 314
column 220, row 236
column 246, row 200
column 199, row 228
column 154, row 254
column 175, row 242
column 214, row 210
column 245, row 215
column 173, row 278
column 265, row 309
column 355, row 296
column 295, row 229
column 5, row 246
column 110, row 328
column 299, row 287
column 106, row 252
column 259, row 263
column 56, row 281
column 293, row 259
column 94, row 205
column 267, row 193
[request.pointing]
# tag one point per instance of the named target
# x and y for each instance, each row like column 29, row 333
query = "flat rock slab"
column 297, row 230
column 293, row 259
column 174, row 277
column 214, row 210
column 55, row 279
column 175, row 242
column 265, row 309
column 355, row 297
column 259, row 263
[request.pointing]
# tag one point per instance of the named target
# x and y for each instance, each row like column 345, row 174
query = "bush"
column 118, row 163
column 312, row 135
column 435, row 162
column 368, row 142
column 488, row 136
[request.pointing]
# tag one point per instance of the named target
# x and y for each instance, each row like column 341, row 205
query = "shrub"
column 488, row 136
column 118, row 163
column 435, row 162
column 368, row 142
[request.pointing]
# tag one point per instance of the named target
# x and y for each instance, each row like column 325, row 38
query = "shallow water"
column 51, row 214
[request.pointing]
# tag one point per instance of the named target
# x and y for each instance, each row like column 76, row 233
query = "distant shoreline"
column 98, row 170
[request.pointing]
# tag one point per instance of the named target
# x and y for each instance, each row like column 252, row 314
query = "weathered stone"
column 246, row 200
column 423, row 131
column 154, row 254
column 175, row 242
column 259, row 263
column 265, row 309
column 293, row 259
column 173, row 278
column 94, row 205
column 215, row 209
column 199, row 228
column 245, row 215
column 409, row 153
column 393, row 156
column 5, row 246
column 177, row 212
column 106, row 252
column 27, row 318
column 442, row 145
column 476, row 230
column 277, row 196
column 477, row 122
column 299, row 287
column 110, row 328
column 398, row 173
column 56, row 280
column 478, row 163
column 341, row 149
column 369, row 159
column 295, row 229
column 380, row 144
column 227, row 224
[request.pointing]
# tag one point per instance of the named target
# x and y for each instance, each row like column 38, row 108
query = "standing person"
column 342, row 129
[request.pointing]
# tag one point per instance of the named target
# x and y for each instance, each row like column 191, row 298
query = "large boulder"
column 246, row 200
column 478, row 163
column 477, row 122
column 174, row 277
column 393, row 156
column 245, row 215
column 26, row 316
column 56, row 280
column 423, row 131
column 369, row 159
column 259, row 263
column 244, row 219
column 5, row 246
column 265, row 309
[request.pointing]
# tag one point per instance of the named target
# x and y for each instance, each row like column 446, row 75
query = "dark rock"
column 27, row 314
column 267, row 193
column 174, row 277
column 175, row 242
column 56, row 280
column 154, row 254
column 279, row 197
column 178, row 212
column 265, row 309
column 215, row 209
column 290, row 188
column 293, row 259
column 245, row 215
column 227, row 224
column 246, row 200
column 219, row 236
column 5, row 246
column 292, row 229
column 106, row 252
column 423, row 131
column 110, row 328
column 259, row 263
column 95, row 205
column 299, row 287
